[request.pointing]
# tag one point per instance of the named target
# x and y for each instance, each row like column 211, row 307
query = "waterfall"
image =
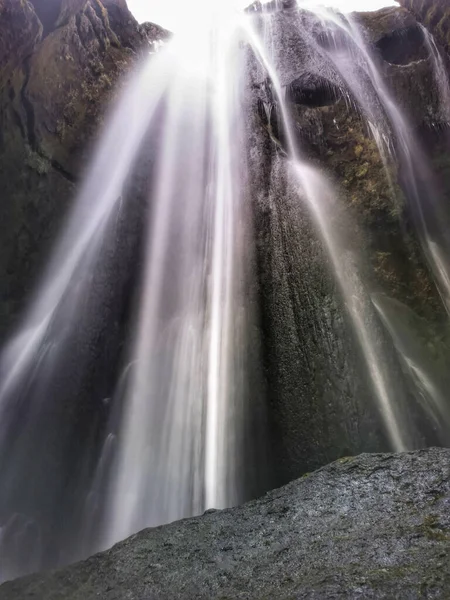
column 132, row 394
column 440, row 74
column 178, row 427
column 33, row 365
column 185, row 402
column 418, row 181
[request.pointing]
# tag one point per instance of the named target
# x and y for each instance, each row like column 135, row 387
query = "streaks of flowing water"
column 434, row 403
column 358, row 69
column 85, row 229
column 31, row 396
column 178, row 421
column 442, row 273
column 431, row 379
column 184, row 409
column 177, row 436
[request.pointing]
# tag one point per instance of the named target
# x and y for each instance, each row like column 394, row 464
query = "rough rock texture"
column 312, row 366
column 435, row 15
column 396, row 35
column 19, row 40
column 376, row 526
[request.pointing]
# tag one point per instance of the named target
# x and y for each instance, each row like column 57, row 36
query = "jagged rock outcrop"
column 395, row 34
column 376, row 527
column 269, row 7
column 19, row 39
column 155, row 33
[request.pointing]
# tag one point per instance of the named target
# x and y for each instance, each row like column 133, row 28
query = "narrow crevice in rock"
column 29, row 132
column 28, row 106
column 61, row 170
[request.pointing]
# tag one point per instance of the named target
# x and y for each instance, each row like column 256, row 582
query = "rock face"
column 314, row 368
column 60, row 64
column 435, row 15
column 376, row 526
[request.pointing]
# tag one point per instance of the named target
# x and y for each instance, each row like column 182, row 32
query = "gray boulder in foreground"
column 376, row 526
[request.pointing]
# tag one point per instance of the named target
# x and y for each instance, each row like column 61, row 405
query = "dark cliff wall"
column 57, row 79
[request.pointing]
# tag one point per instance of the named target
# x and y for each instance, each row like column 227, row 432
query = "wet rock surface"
column 61, row 64
column 314, row 367
column 435, row 15
column 395, row 34
column 376, row 526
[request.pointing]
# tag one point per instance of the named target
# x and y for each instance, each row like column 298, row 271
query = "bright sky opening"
column 175, row 13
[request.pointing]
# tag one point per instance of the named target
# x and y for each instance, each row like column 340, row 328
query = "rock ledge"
column 376, row 526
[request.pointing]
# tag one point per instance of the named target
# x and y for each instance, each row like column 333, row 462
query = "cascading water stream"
column 426, row 202
column 422, row 194
column 389, row 126
column 183, row 414
column 87, row 225
column 31, row 397
column 178, row 431
column 431, row 382
column 440, row 74
column 430, row 221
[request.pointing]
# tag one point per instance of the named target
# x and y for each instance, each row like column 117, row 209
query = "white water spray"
column 84, row 232
column 179, row 444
